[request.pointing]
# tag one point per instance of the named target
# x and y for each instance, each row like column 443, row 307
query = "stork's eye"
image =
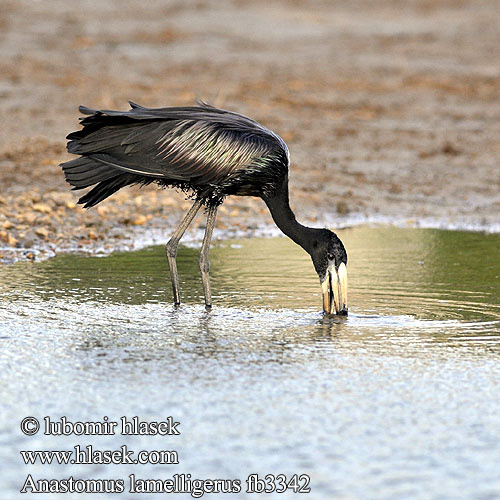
column 330, row 256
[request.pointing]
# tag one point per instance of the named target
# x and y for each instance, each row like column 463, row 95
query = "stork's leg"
column 172, row 245
column 203, row 260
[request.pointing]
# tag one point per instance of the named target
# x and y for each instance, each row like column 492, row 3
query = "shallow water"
column 399, row 400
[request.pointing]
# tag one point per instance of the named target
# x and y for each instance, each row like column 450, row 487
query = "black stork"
column 212, row 153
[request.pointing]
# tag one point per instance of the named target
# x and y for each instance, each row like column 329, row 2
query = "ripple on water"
column 398, row 400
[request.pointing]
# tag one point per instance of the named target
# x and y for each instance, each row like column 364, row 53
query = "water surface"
column 399, row 400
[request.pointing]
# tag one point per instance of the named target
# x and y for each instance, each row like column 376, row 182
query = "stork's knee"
column 171, row 248
column 204, row 264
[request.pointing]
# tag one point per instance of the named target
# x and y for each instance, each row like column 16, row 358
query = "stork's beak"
column 334, row 289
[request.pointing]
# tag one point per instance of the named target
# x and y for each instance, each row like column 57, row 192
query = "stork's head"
column 330, row 260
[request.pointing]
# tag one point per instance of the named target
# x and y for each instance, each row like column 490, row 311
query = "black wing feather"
column 198, row 145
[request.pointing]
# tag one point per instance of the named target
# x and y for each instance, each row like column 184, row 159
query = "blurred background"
column 390, row 108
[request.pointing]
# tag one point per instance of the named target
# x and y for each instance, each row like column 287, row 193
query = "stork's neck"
column 279, row 206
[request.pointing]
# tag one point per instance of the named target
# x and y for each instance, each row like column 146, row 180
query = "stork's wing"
column 198, row 144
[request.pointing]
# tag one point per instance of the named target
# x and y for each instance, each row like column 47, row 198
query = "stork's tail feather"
column 84, row 172
column 106, row 188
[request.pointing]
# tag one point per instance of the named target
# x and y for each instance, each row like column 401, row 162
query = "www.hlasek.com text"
column 89, row 455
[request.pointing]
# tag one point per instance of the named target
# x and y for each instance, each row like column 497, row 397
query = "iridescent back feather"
column 211, row 151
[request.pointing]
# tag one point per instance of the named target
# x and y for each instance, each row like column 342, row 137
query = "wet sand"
column 390, row 110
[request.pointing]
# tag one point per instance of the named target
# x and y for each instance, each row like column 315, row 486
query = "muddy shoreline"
column 391, row 111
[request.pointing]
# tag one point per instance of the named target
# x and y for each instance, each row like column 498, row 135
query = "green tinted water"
column 399, row 400
column 429, row 274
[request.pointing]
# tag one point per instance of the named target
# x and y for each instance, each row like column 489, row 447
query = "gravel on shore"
column 391, row 110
